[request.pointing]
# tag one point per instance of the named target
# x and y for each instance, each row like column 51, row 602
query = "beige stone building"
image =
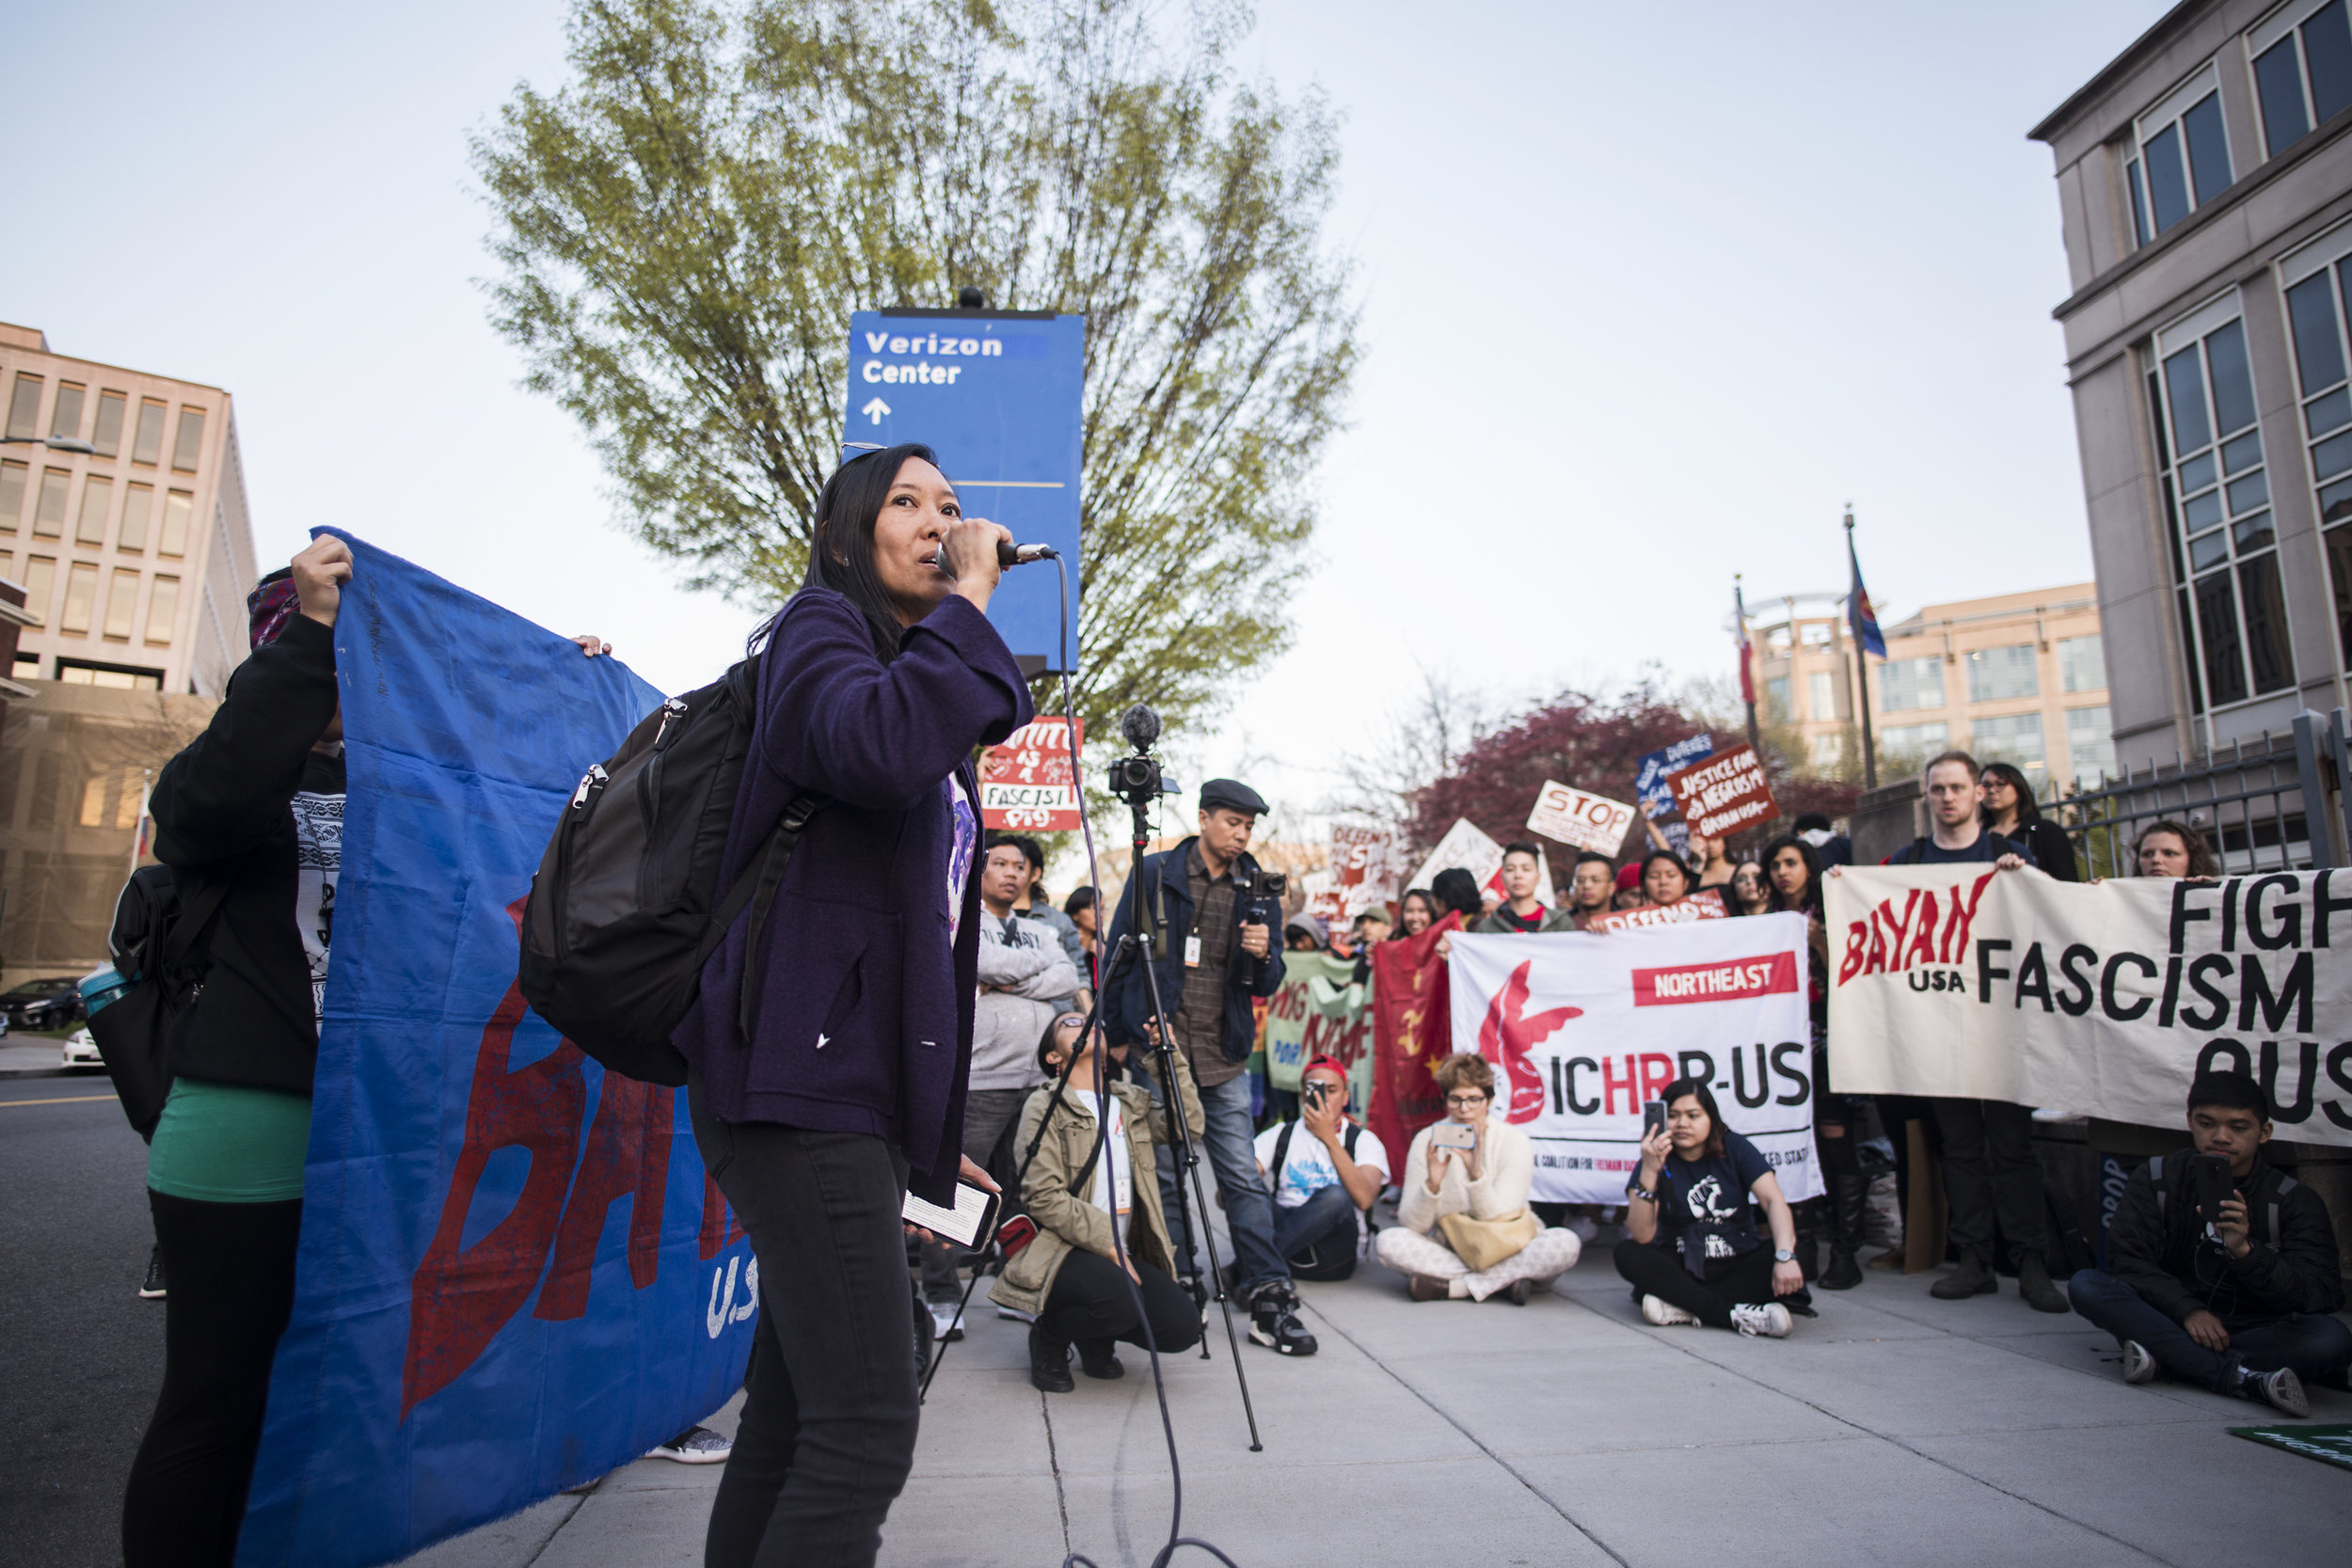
column 137, row 556
column 2017, row 679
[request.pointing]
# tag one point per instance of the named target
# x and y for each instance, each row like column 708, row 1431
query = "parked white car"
column 80, row 1050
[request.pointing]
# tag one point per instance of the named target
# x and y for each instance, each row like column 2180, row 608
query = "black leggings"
column 1089, row 1300
column 1742, row 1281
column 231, row 1267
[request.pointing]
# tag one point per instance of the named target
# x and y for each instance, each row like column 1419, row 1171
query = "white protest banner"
column 1577, row 818
column 1467, row 845
column 1025, row 784
column 1582, row 1029
column 1705, row 904
column 2094, row 999
column 1723, row 794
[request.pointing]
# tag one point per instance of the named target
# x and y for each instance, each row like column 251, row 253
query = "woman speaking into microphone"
column 879, row 678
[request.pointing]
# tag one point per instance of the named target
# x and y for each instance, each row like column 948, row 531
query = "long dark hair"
column 1697, row 1087
column 1812, row 900
column 2028, row 813
column 1456, row 890
column 841, row 553
column 1690, row 879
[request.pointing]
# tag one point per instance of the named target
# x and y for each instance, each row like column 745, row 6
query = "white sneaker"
column 944, row 1320
column 1662, row 1313
column 695, row 1446
column 1013, row 1314
column 1583, row 1229
column 2282, row 1391
column 1771, row 1321
column 2139, row 1366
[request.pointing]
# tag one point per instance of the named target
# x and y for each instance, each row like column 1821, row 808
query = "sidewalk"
column 1892, row 1428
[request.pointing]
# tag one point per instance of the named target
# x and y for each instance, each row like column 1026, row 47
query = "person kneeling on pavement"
column 1328, row 1169
column 1078, row 1185
column 1693, row 1252
column 1462, row 1225
column 2237, row 1300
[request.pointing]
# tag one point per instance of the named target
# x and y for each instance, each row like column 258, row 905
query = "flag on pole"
column 1860, row 617
column 1747, row 661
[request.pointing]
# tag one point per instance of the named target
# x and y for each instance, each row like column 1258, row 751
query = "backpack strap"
column 2155, row 1178
column 760, row 892
column 1348, row 1142
column 1282, row 1150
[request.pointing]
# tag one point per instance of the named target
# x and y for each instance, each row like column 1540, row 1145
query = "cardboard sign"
column 1025, row 784
column 1705, row 904
column 1467, row 847
column 1650, row 779
column 1573, row 816
column 1726, row 794
column 1364, row 863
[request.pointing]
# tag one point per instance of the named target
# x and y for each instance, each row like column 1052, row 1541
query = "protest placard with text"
column 1725, row 794
column 1578, row 818
column 1026, row 785
column 1705, row 904
column 1649, row 776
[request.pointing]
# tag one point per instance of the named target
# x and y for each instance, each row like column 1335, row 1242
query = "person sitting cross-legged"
column 1327, row 1169
column 1691, row 1249
column 2240, row 1305
column 1462, row 1225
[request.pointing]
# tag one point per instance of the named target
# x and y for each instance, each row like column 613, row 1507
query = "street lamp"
column 55, row 443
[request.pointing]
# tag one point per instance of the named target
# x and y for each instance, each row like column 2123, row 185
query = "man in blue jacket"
column 1213, row 923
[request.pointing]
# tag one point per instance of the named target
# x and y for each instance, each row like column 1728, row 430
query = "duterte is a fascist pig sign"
column 1723, row 794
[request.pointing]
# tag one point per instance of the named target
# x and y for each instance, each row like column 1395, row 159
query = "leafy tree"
column 686, row 227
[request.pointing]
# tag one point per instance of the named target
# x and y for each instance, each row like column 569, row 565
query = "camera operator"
column 1328, row 1169
column 2237, row 1300
column 880, row 676
column 1215, row 921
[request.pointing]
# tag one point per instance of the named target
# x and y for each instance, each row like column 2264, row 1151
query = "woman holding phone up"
column 1692, row 1247
column 1079, row 1184
column 878, row 679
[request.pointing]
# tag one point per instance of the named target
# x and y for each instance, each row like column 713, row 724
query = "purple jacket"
column 864, row 1022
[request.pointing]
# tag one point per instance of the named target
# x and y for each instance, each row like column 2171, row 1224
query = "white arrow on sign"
column 875, row 410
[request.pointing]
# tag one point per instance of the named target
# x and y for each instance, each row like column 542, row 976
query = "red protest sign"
column 1723, row 794
column 1026, row 785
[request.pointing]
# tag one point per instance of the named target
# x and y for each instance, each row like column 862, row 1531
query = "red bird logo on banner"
column 1509, row 1036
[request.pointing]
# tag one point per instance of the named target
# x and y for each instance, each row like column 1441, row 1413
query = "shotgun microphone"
column 1021, row 555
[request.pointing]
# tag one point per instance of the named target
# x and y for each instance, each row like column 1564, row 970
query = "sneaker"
column 943, row 1323
column 1661, row 1313
column 2033, row 1283
column 2282, row 1391
column 1014, row 1315
column 1100, row 1359
column 1049, row 1362
column 1273, row 1320
column 153, row 1287
column 1771, row 1321
column 2139, row 1366
column 1424, row 1287
column 1520, row 1289
column 1974, row 1277
column 695, row 1446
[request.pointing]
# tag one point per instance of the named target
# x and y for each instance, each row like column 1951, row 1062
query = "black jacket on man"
column 223, row 812
column 2156, row 1245
column 1126, row 998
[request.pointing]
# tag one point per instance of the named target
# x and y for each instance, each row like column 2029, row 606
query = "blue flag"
column 1859, row 618
column 514, row 1275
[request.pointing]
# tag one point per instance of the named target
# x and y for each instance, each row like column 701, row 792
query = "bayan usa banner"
column 514, row 1274
column 2094, row 999
column 1582, row 1029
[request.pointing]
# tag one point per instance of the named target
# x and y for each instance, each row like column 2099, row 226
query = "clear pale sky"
column 1643, row 305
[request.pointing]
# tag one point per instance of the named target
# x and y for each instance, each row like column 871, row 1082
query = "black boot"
column 1848, row 1200
column 1974, row 1277
column 1049, row 1362
column 2033, row 1283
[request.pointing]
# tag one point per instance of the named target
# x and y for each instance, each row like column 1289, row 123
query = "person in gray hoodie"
column 1025, row 977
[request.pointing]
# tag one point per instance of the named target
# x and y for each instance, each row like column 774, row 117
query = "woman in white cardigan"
column 1482, row 1189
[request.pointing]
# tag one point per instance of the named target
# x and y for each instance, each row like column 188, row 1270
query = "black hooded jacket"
column 2157, row 1247
column 223, row 812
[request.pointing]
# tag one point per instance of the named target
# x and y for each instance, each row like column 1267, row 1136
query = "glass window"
column 1909, row 684
column 41, row 579
column 2186, row 389
column 2208, row 148
column 2167, row 181
column 98, row 492
column 2014, row 738
column 49, row 515
column 25, row 408
column 1828, row 751
column 107, row 438
column 2316, row 316
column 2090, row 745
column 2178, row 158
column 162, row 605
column 11, row 495
column 2216, row 625
column 139, row 505
column 190, row 445
column 2328, row 55
column 1776, row 698
column 2233, row 381
column 148, row 445
column 65, row 420
column 76, row 672
column 2265, row 624
column 2278, row 83
column 2082, row 664
column 121, row 600
column 1904, row 748
column 177, row 504
column 1814, row 634
column 1821, row 695
column 2297, row 87
column 1995, row 673
column 2318, row 349
column 81, row 595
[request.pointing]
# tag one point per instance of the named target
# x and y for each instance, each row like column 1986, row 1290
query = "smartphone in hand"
column 1453, row 1134
column 970, row 1223
column 1653, row 1118
column 2209, row 1184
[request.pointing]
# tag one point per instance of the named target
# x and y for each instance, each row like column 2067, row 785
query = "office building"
column 2204, row 182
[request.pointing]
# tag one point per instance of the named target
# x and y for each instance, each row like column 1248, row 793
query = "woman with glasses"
column 1464, row 1229
column 2008, row 810
column 1100, row 1245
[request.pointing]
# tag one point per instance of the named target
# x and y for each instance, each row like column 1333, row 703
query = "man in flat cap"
column 1214, row 925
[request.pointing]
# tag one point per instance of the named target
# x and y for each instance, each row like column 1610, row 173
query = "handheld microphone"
column 1021, row 555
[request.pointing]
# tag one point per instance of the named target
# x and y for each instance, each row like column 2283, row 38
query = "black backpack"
column 622, row 913
column 152, row 943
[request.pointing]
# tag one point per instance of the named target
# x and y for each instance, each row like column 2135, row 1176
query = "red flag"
column 1412, row 1031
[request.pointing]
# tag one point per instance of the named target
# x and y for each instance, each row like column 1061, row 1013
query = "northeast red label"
column 1727, row 981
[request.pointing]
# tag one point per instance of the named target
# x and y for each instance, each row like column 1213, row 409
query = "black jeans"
column 826, row 1434
column 1656, row 1271
column 1989, row 1169
column 1089, row 1300
column 2314, row 1345
column 231, row 1267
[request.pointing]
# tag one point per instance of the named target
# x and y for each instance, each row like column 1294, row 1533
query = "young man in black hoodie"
column 2240, row 1305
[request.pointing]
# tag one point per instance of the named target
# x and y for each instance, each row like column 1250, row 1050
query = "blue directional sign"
column 1000, row 395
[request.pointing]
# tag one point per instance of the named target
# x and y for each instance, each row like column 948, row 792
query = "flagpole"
column 1861, row 664
column 1747, row 662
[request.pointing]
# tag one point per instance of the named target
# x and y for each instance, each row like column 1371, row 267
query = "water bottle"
column 101, row 987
